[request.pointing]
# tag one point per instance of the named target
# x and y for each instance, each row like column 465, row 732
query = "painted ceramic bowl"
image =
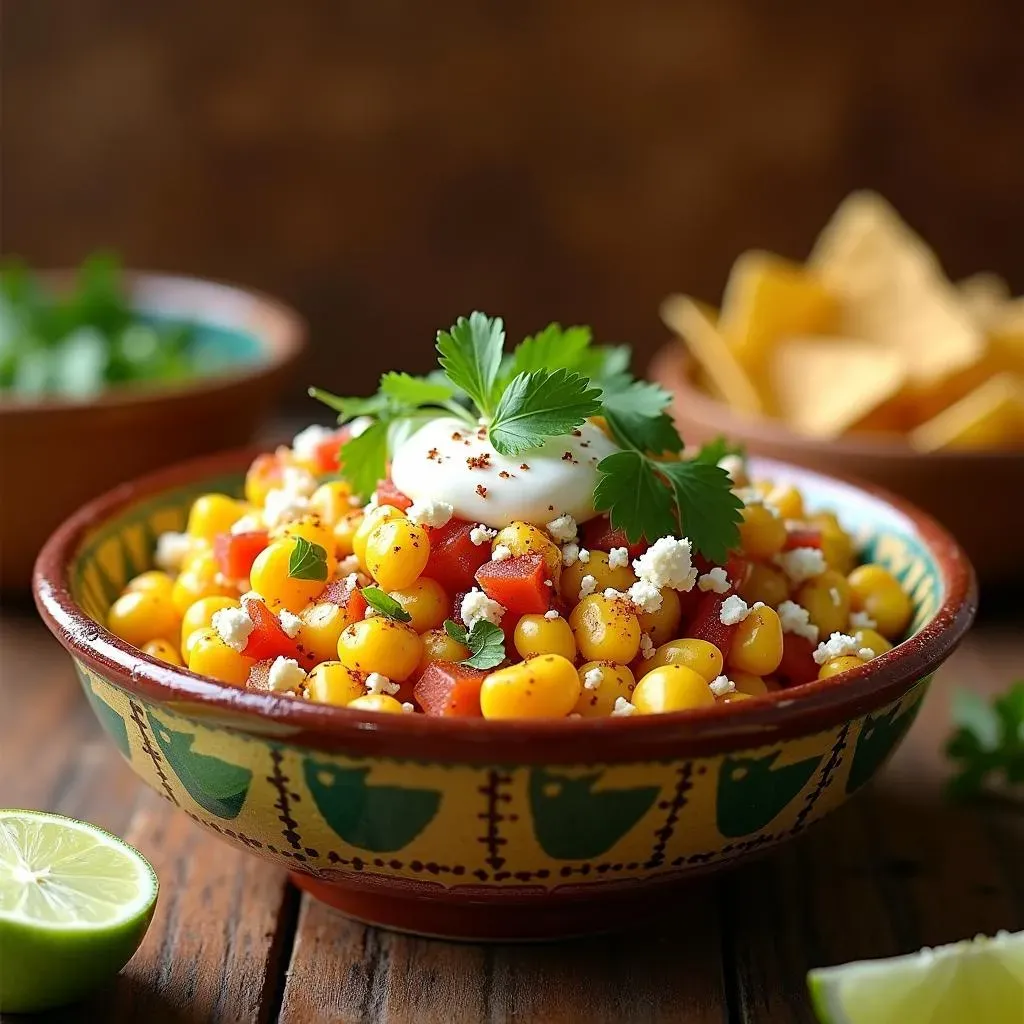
column 493, row 830
column 58, row 452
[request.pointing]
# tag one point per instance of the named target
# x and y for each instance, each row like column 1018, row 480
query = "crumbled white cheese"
column 667, row 563
column 570, row 553
column 408, row 707
column 281, row 506
column 584, row 556
column 349, row 565
column 861, row 620
column 645, row 595
column 291, row 624
column 429, row 513
column 735, row 467
column 837, row 598
column 233, row 626
column 370, row 612
column 618, row 558
column 836, row 646
column 733, row 611
column 249, row 523
column 352, row 581
column 796, row 619
column 298, row 481
column 587, row 586
column 562, row 529
column 377, row 683
column 646, row 646
column 286, row 675
column 551, row 615
column 501, row 553
column 481, row 534
column 865, row 654
column 251, row 595
column 714, row 580
column 306, row 442
column 722, row 685
column 171, row 550
column 593, row 678
column 801, row 563
column 623, row 708
column 477, row 606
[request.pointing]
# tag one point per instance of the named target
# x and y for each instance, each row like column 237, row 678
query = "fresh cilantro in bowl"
column 79, row 342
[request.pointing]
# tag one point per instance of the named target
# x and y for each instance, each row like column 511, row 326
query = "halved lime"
column 75, row 903
column 976, row 980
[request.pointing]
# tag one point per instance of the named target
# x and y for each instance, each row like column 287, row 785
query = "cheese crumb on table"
column 285, row 675
column 233, row 626
column 836, row 646
column 796, row 619
column 714, row 580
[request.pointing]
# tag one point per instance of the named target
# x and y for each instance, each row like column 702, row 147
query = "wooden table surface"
column 232, row 941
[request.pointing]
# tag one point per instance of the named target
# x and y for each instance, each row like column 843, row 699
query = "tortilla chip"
column 990, row 416
column 983, row 296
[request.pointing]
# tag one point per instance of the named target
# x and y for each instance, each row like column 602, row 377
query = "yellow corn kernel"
column 827, row 600
column 188, row 642
column 757, row 643
column 764, row 583
column 164, row 650
column 377, row 515
column 663, row 624
column 263, row 475
column 788, row 500
column 535, row 635
column 331, row 683
column 200, row 614
column 762, row 533
column 309, row 527
column 269, row 577
column 748, row 683
column 837, row 546
column 154, row 581
column 210, row 656
column 212, row 514
column 322, row 625
column 605, row 629
column 379, row 702
column 331, row 501
column 671, row 688
column 736, row 697
column 201, row 577
column 543, row 687
column 598, row 701
column 140, row 616
column 379, row 644
column 763, row 487
column 620, row 578
column 836, row 665
column 697, row 655
column 345, row 530
column 873, row 641
column 876, row 591
column 439, row 646
column 396, row 553
column 426, row 601
column 526, row 539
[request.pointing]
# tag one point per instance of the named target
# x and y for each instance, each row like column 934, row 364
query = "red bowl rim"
column 800, row 710
column 281, row 329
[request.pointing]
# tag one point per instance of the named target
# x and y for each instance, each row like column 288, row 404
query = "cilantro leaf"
column 307, row 561
column 989, row 740
column 707, row 509
column 636, row 500
column 637, row 418
column 485, row 640
column 539, row 405
column 415, row 391
column 471, row 355
column 385, row 604
column 550, row 349
column 349, row 408
column 364, row 459
column 717, row 449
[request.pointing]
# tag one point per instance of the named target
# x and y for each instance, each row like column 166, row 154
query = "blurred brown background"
column 387, row 165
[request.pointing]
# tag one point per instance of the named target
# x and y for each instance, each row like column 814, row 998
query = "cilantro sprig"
column 486, row 642
column 307, row 561
column 988, row 742
column 385, row 604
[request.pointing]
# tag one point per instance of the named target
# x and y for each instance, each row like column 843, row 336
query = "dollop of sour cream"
column 446, row 460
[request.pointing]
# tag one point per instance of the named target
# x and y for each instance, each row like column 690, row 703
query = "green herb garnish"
column 989, row 740
column 307, row 561
column 485, row 640
column 385, row 604
column 713, row 451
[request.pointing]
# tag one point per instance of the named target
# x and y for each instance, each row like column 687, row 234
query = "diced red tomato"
column 736, row 569
column 268, row 639
column 454, row 558
column 520, row 584
column 598, row 535
column 389, row 494
column 707, row 623
column 797, row 665
column 344, row 596
column 235, row 552
column 802, row 537
column 448, row 690
column 326, row 456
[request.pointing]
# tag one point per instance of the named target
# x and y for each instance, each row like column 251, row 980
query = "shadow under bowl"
column 976, row 495
column 485, row 829
column 56, row 453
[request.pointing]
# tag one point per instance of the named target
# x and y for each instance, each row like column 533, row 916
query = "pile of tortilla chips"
column 868, row 335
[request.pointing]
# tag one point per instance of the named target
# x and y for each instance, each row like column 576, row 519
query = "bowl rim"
column 802, row 710
column 281, row 329
column 673, row 366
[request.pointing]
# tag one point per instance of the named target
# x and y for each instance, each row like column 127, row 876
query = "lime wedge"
column 75, row 903
column 977, row 980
